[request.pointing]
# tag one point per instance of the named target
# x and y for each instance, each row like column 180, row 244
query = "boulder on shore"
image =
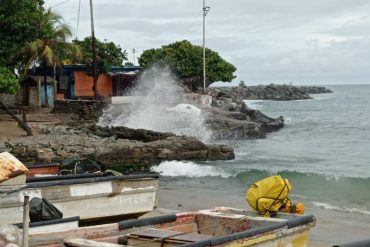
column 243, row 124
column 112, row 145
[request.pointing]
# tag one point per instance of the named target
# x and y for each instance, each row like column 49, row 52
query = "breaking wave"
column 188, row 169
column 156, row 93
column 328, row 206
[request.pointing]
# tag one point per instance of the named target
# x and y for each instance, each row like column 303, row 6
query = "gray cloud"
column 268, row 41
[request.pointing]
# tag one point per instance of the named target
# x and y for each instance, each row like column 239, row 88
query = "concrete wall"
column 85, row 109
column 34, row 97
column 199, row 100
column 84, row 83
column 8, row 99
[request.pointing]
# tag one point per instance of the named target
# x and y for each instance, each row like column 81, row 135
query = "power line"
column 59, row 4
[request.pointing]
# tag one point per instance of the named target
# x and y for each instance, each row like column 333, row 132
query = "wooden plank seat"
column 168, row 235
column 80, row 242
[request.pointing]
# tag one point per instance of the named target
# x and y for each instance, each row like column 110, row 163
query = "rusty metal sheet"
column 10, row 167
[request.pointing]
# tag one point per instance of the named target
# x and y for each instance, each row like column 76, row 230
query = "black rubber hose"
column 127, row 224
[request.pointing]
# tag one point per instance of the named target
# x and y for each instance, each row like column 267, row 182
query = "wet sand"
column 10, row 129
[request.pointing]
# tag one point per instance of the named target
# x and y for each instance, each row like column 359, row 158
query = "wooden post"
column 95, row 76
column 26, row 209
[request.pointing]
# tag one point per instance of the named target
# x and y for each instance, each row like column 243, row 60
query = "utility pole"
column 133, row 53
column 205, row 12
column 93, row 49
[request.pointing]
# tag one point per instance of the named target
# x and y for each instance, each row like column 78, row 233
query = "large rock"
column 171, row 148
column 122, row 132
column 116, row 145
column 243, row 124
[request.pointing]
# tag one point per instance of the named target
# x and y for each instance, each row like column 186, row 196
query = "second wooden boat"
column 213, row 227
column 92, row 197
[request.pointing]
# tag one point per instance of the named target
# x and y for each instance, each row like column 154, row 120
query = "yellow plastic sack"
column 269, row 195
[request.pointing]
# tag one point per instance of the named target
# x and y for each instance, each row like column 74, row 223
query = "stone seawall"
column 85, row 109
column 8, row 99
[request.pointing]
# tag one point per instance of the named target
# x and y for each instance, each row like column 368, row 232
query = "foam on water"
column 328, row 206
column 159, row 91
column 188, row 169
column 254, row 104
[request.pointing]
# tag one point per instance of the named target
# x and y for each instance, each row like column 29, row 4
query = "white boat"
column 92, row 197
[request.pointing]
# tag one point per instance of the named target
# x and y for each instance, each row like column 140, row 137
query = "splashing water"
column 188, row 169
column 157, row 92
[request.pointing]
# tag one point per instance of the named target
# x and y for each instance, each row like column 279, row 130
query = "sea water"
column 323, row 150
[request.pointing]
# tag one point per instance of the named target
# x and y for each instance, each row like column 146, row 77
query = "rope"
column 6, row 190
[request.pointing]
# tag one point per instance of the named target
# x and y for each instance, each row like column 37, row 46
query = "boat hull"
column 91, row 199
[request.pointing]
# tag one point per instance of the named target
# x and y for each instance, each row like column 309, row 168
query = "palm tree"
column 50, row 48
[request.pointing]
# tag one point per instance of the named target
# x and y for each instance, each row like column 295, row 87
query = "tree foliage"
column 107, row 54
column 50, row 48
column 186, row 60
column 8, row 81
column 9, row 85
column 19, row 23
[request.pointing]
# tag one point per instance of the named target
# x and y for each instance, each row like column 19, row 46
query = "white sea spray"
column 157, row 90
column 189, row 169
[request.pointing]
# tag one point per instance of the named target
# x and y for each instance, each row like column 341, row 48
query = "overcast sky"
column 269, row 41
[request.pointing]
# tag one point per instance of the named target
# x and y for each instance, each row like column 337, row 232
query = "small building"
column 32, row 90
column 74, row 82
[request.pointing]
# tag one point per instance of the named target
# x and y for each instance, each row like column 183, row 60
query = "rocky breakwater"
column 111, row 146
column 268, row 92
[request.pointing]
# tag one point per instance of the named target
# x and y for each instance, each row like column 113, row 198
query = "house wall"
column 105, row 85
column 84, row 83
column 34, row 97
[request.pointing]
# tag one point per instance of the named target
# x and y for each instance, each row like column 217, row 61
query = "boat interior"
column 211, row 225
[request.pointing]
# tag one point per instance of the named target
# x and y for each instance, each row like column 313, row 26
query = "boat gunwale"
column 50, row 222
column 85, row 180
column 307, row 220
column 32, row 166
